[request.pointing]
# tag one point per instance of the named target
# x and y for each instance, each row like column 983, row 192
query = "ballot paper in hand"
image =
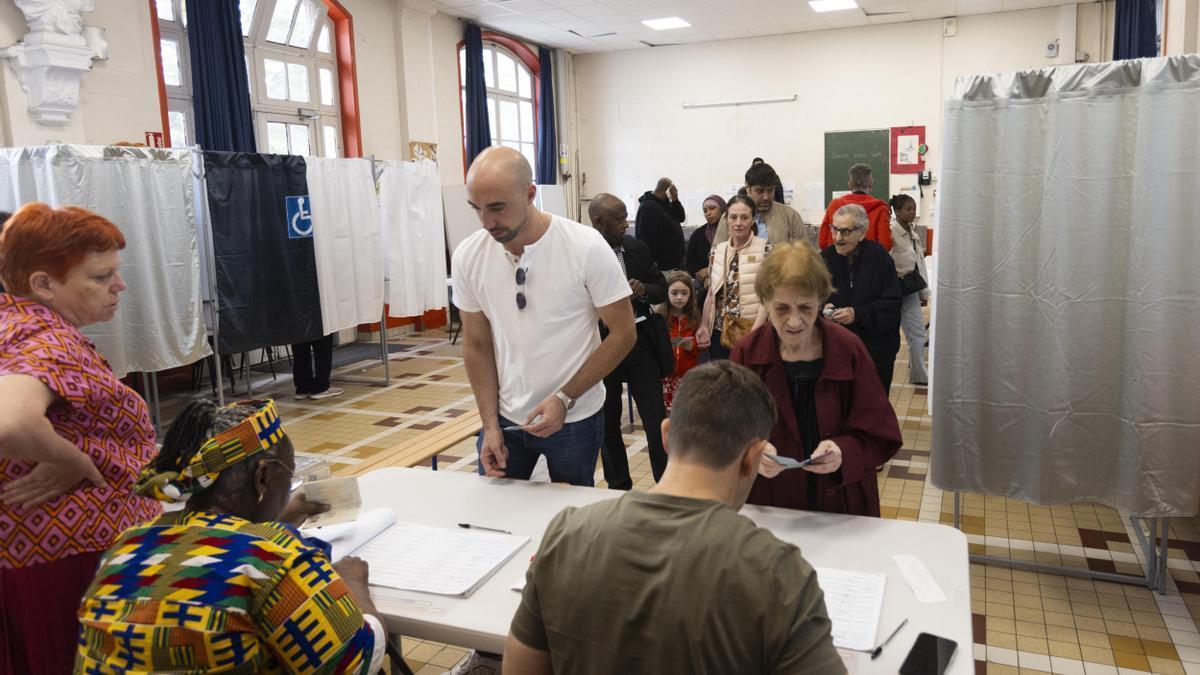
column 342, row 496
column 854, row 601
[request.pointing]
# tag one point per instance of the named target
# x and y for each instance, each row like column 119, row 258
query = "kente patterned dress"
column 204, row 592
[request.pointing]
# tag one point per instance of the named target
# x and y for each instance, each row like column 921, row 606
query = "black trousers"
column 885, row 366
column 641, row 373
column 312, row 362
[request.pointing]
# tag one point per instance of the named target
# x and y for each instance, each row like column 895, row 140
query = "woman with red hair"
column 73, row 438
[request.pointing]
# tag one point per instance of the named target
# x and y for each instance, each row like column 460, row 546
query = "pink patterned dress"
column 96, row 412
column 48, row 554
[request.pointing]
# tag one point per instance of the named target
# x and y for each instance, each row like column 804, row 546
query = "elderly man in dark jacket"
column 866, row 297
column 659, row 224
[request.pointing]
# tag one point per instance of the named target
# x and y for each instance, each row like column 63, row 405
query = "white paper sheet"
column 923, row 585
column 432, row 560
column 854, row 601
column 346, row 538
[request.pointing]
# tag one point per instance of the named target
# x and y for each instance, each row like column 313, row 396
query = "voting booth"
column 1068, row 294
column 247, row 250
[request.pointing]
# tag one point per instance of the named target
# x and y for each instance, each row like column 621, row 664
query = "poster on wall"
column 908, row 145
column 419, row 150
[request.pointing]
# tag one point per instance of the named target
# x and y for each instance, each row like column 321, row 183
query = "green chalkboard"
column 844, row 149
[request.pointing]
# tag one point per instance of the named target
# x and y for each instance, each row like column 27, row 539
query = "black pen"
column 879, row 650
column 468, row 526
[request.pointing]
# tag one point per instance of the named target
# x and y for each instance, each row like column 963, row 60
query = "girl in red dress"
column 683, row 316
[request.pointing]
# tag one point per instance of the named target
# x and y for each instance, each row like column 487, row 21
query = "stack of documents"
column 854, row 601
column 433, row 560
column 346, row 538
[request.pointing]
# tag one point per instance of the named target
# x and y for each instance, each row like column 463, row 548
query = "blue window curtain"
column 1136, row 30
column 220, row 96
column 479, row 136
column 547, row 150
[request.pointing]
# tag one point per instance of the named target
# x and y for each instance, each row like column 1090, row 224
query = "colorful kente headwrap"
column 260, row 431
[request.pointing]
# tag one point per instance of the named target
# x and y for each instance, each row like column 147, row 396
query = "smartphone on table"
column 930, row 655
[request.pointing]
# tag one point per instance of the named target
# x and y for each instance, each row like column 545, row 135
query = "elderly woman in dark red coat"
column 833, row 410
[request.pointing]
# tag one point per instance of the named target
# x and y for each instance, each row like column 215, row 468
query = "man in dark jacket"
column 639, row 369
column 658, row 224
column 866, row 297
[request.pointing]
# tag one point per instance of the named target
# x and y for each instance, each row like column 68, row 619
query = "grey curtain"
column 1067, row 310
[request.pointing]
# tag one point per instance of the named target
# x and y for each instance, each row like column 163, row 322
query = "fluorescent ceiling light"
column 667, row 23
column 831, row 5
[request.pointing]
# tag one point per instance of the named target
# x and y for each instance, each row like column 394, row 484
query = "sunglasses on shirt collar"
column 521, row 275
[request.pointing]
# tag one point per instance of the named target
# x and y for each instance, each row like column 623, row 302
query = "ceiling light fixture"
column 668, row 23
column 831, row 5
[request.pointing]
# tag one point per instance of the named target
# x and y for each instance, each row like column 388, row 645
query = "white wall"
column 632, row 128
column 118, row 98
column 447, row 32
column 378, row 91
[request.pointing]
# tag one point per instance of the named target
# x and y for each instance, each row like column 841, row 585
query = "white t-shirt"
column 569, row 272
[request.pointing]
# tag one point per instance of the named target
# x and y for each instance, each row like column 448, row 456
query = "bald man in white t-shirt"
column 531, row 288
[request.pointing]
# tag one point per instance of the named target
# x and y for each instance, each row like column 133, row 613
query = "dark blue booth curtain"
column 1136, row 30
column 479, row 136
column 547, row 159
column 220, row 95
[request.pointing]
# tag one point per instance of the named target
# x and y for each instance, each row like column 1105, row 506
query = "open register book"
column 415, row 557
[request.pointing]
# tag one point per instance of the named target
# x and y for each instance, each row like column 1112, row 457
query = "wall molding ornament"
column 52, row 57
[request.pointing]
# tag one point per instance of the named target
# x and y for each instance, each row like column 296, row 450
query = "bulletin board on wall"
column 844, row 149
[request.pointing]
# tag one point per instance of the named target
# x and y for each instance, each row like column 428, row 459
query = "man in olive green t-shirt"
column 673, row 580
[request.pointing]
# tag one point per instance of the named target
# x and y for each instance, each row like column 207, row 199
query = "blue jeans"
column 571, row 453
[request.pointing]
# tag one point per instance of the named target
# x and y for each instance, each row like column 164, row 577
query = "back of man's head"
column 719, row 410
column 761, row 175
column 860, row 177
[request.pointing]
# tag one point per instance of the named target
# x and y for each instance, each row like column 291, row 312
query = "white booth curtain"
column 347, row 241
column 1068, row 290
column 410, row 198
column 148, row 194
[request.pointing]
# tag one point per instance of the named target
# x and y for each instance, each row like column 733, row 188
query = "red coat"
column 685, row 359
column 878, row 212
column 852, row 411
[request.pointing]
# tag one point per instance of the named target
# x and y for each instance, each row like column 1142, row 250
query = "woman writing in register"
column 220, row 585
column 832, row 408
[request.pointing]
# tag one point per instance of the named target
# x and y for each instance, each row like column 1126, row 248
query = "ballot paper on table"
column 346, row 538
column 854, row 601
column 342, row 496
column 414, row 557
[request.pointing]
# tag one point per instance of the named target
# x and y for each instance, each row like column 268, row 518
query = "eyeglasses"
column 521, row 287
column 844, row 231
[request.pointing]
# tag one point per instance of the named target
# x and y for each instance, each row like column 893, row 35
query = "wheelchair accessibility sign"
column 299, row 217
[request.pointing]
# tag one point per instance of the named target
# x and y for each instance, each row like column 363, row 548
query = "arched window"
column 291, row 68
column 510, row 71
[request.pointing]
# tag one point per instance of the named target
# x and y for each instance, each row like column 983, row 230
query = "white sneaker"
column 328, row 393
column 475, row 663
column 301, row 397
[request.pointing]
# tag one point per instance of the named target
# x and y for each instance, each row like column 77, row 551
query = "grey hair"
column 860, row 176
column 858, row 213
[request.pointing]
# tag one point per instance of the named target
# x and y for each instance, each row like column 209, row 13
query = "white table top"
column 446, row 498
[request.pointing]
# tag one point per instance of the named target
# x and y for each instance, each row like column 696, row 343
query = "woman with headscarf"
column 223, row 582
column 700, row 243
column 72, row 436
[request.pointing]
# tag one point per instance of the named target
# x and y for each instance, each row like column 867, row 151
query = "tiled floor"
column 1024, row 622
